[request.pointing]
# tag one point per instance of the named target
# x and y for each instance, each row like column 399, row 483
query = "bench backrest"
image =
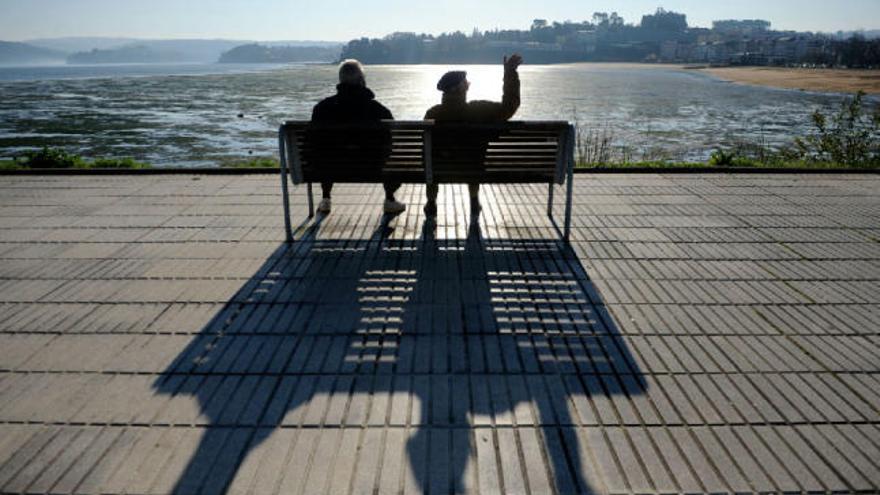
column 427, row 152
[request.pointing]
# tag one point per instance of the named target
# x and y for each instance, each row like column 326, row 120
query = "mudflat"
column 825, row 80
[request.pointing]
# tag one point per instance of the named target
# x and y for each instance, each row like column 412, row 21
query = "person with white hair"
column 354, row 102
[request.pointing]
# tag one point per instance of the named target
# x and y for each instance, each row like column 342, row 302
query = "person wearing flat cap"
column 455, row 108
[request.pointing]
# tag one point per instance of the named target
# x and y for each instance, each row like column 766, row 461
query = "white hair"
column 351, row 72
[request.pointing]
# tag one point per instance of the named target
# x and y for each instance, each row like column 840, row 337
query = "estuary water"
column 204, row 115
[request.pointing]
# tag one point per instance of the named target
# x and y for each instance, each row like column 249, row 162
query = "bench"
column 425, row 152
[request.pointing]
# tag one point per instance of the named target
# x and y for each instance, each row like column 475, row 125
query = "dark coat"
column 351, row 103
column 450, row 146
column 356, row 104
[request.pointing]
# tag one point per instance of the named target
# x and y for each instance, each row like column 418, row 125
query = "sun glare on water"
column 421, row 94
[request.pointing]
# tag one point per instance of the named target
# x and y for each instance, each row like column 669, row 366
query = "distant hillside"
column 207, row 51
column 137, row 54
column 260, row 54
column 80, row 44
column 122, row 50
column 158, row 51
column 327, row 44
column 22, row 53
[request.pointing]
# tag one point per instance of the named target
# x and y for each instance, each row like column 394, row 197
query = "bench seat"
column 427, row 152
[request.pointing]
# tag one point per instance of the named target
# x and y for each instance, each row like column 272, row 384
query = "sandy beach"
column 825, row 80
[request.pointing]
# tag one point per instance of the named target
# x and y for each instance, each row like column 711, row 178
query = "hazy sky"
column 346, row 19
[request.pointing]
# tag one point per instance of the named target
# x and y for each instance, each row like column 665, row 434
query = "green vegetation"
column 120, row 163
column 646, row 164
column 54, row 158
column 739, row 163
column 851, row 137
column 252, row 163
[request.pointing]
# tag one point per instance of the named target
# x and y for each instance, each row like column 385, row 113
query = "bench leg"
column 550, row 201
column 569, row 185
column 288, row 231
column 311, row 200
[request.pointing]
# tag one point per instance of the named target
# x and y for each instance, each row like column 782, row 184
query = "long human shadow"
column 480, row 332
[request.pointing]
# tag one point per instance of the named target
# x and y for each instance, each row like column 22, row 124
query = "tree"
column 664, row 20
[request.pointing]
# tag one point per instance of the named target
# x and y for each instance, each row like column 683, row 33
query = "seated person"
column 456, row 108
column 354, row 102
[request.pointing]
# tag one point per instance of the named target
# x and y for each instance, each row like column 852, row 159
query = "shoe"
column 431, row 209
column 393, row 207
column 324, row 206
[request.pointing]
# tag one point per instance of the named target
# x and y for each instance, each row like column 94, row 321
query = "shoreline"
column 818, row 80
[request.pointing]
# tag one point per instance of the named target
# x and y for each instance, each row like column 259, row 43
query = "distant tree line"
column 128, row 54
column 261, row 54
column 855, row 52
column 607, row 38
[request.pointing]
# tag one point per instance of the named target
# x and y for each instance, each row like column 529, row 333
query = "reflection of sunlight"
column 486, row 82
column 411, row 101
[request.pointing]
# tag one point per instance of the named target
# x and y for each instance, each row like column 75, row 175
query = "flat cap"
column 451, row 80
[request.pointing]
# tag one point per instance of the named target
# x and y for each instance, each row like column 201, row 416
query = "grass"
column 119, row 163
column 738, row 164
column 252, row 163
column 642, row 164
column 54, row 158
column 263, row 163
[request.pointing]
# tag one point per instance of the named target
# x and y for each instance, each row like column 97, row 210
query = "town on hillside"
column 663, row 36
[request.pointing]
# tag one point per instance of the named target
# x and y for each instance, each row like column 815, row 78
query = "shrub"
column 593, row 146
column 51, row 158
column 850, row 137
column 730, row 158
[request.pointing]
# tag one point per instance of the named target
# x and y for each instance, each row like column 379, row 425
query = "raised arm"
column 511, row 99
column 492, row 111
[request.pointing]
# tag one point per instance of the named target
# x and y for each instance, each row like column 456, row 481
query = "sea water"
column 204, row 115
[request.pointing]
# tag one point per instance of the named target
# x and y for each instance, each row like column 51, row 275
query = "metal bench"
column 425, row 152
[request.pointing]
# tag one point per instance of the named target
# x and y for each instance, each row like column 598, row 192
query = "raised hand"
column 512, row 62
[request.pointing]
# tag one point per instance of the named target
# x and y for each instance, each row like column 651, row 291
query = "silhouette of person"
column 354, row 102
column 456, row 109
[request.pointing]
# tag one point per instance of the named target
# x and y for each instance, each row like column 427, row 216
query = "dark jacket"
column 450, row 147
column 351, row 103
column 481, row 111
column 371, row 149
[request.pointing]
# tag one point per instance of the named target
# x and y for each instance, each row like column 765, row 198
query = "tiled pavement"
column 710, row 333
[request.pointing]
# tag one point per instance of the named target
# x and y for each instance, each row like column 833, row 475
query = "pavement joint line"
column 835, row 373
column 559, row 335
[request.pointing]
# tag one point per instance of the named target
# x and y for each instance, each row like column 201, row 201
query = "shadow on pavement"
column 487, row 336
